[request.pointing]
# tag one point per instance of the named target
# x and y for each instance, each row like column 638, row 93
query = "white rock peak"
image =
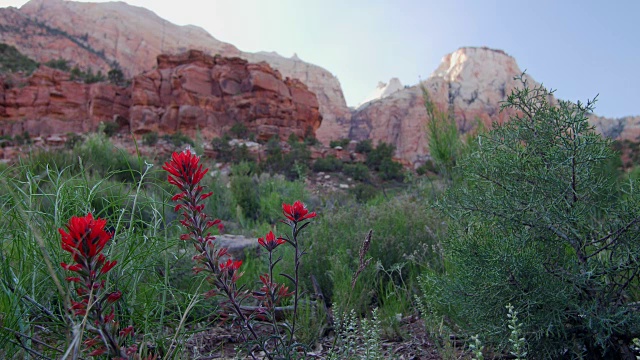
column 382, row 91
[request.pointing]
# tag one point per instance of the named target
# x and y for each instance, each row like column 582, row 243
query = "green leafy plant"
column 364, row 146
column 328, row 164
column 533, row 223
column 150, row 138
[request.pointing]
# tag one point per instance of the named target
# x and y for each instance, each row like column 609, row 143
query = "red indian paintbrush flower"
column 270, row 242
column 185, row 170
column 297, row 212
column 86, row 237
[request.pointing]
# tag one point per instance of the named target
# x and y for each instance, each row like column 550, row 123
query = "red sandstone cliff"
column 187, row 92
column 194, row 91
column 48, row 102
column 99, row 34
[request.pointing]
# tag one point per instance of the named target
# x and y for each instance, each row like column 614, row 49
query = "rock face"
column 472, row 81
column 382, row 91
column 194, row 91
column 626, row 128
column 48, row 102
column 101, row 34
column 188, row 92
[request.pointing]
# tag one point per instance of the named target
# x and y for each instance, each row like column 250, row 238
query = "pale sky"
column 580, row 47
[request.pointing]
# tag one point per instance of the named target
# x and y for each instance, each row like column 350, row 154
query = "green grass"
column 40, row 193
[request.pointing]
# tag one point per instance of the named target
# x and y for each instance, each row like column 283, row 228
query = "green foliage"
column 110, row 128
column 364, row 192
column 391, row 170
column 241, row 154
column 11, row 60
column 310, row 137
column 533, row 224
column 22, row 139
column 224, row 152
column 36, row 198
column 364, row 146
column 377, row 156
column 86, row 76
column 179, row 139
column 357, row 171
column 328, row 164
column 116, row 76
column 398, row 231
column 442, row 134
column 150, row 138
column 342, row 143
column 296, row 162
column 239, row 130
column 73, row 140
column 427, row 167
column 245, row 195
column 60, row 64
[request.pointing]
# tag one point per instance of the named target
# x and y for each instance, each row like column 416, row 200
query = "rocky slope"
column 188, row 92
column 99, row 34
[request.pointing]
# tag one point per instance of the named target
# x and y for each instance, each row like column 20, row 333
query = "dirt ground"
column 220, row 343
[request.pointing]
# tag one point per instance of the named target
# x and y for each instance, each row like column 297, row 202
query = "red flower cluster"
column 270, row 242
column 186, row 172
column 85, row 239
column 297, row 212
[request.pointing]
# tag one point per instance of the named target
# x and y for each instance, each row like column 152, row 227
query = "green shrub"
column 364, row 146
column 22, row 139
column 398, row 231
column 116, row 76
column 111, row 128
column 357, row 171
column 328, row 164
column 239, row 130
column 376, row 156
column 310, row 137
column 296, row 162
column 364, row 192
column 60, row 64
column 391, row 170
column 11, row 60
column 150, row 138
column 427, row 167
column 245, row 194
column 179, row 139
column 532, row 224
column 73, row 140
column 222, row 148
column 241, row 154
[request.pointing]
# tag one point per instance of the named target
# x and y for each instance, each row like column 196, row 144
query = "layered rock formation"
column 99, row 34
column 49, row 102
column 188, row 93
column 194, row 91
column 471, row 81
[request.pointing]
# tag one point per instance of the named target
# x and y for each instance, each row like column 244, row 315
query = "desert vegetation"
column 519, row 241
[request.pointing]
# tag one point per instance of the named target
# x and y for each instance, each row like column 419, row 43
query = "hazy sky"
column 580, row 47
